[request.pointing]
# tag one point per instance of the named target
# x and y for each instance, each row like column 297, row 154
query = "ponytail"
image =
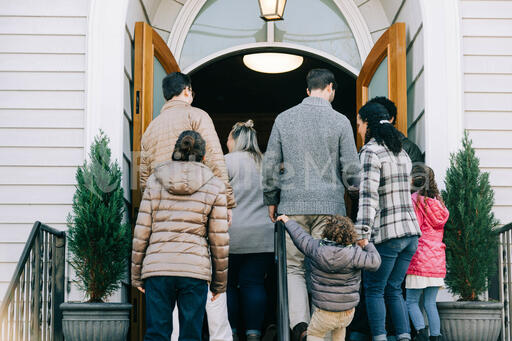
column 245, row 137
column 190, row 146
column 379, row 127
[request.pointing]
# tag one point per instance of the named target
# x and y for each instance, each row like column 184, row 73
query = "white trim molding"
column 348, row 8
column 105, row 72
column 275, row 47
column 443, row 83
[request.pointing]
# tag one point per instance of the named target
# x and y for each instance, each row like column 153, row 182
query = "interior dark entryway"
column 230, row 92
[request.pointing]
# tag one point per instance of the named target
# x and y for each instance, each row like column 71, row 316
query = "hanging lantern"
column 272, row 10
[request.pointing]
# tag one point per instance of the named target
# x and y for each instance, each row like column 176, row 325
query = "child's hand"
column 362, row 243
column 283, row 218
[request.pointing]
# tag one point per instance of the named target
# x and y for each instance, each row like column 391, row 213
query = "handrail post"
column 59, row 283
column 36, row 289
column 283, row 330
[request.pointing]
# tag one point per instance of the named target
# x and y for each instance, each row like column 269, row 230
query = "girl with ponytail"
column 181, row 242
column 386, row 217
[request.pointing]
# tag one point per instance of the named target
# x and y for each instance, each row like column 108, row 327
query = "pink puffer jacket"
column 429, row 260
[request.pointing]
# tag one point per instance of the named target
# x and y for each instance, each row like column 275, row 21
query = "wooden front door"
column 384, row 74
column 152, row 62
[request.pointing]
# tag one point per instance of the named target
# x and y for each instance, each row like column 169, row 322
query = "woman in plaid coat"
column 386, row 217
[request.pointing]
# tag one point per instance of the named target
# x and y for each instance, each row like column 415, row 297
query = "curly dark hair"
column 340, row 230
column 379, row 126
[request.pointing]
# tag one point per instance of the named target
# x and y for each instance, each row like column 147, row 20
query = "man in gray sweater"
column 311, row 157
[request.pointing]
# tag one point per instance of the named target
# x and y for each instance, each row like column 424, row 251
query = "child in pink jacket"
column 428, row 266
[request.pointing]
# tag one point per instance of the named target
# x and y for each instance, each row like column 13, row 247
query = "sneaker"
column 299, row 332
column 253, row 337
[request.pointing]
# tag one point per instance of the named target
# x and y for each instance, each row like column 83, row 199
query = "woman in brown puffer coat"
column 181, row 241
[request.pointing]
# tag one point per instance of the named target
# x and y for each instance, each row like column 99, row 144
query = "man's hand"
column 362, row 243
column 284, row 218
column 142, row 290
column 230, row 216
column 272, row 212
column 215, row 296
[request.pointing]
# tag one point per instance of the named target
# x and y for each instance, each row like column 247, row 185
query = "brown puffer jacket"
column 160, row 137
column 182, row 227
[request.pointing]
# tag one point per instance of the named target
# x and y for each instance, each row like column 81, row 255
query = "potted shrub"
column 471, row 250
column 99, row 245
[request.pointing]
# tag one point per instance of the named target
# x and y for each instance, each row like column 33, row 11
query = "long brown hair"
column 424, row 182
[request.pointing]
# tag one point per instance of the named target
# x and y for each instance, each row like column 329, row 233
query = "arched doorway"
column 230, row 92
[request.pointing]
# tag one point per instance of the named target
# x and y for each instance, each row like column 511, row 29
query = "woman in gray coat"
column 251, row 234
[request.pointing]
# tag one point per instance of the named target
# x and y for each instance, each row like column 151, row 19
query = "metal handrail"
column 503, row 229
column 283, row 322
column 30, row 308
column 505, row 278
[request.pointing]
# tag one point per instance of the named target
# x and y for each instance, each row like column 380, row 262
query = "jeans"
column 324, row 321
column 383, row 287
column 246, row 290
column 217, row 316
column 429, row 302
column 297, row 289
column 360, row 328
column 161, row 295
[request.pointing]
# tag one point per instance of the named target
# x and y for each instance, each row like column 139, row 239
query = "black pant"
column 247, row 296
column 161, row 296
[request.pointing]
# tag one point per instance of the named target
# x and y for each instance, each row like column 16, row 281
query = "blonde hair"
column 244, row 135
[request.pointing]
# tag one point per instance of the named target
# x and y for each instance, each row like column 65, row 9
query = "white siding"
column 410, row 14
column 487, row 59
column 379, row 15
column 42, row 102
column 136, row 12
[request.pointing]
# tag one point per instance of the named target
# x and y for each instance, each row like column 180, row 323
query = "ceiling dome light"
column 272, row 62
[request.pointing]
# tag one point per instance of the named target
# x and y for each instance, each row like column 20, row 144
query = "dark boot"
column 299, row 332
column 436, row 338
column 422, row 335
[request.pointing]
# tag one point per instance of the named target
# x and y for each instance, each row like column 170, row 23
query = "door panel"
column 379, row 84
column 159, row 74
column 152, row 62
column 384, row 74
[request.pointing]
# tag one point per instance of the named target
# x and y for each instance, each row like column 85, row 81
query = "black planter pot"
column 95, row 321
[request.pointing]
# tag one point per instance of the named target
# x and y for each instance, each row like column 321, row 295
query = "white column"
column 105, row 72
column 443, row 83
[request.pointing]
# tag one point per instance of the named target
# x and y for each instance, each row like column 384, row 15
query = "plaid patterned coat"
column 385, row 205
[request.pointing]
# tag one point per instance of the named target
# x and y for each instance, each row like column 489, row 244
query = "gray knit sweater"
column 310, row 158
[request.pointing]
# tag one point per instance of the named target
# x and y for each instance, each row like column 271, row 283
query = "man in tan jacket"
column 176, row 116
